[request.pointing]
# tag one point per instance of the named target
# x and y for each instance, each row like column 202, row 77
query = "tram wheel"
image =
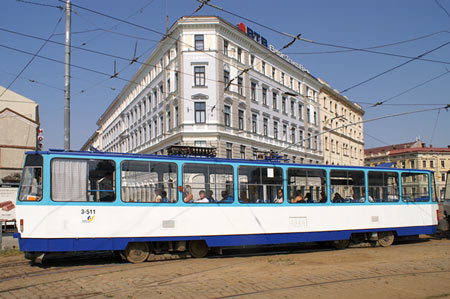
column 385, row 239
column 137, row 252
column 340, row 244
column 198, row 248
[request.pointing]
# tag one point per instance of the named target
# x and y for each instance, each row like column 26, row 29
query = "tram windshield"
column 31, row 184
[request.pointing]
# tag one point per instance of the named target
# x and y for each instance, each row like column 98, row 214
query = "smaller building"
column 414, row 155
column 19, row 124
column 342, row 138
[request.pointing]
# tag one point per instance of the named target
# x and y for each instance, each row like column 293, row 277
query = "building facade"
column 19, row 124
column 342, row 138
column 414, row 155
column 213, row 84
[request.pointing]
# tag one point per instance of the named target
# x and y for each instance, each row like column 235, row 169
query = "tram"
column 138, row 205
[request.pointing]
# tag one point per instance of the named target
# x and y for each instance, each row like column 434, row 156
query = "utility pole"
column 67, row 80
column 167, row 16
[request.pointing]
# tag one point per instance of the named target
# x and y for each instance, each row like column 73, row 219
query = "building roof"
column 420, row 150
column 388, row 148
column 403, row 148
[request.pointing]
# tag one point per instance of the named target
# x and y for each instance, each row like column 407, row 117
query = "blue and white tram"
column 142, row 204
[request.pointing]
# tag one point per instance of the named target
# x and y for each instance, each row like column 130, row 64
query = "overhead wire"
column 446, row 107
column 409, row 89
column 442, row 7
column 32, row 58
column 395, row 67
column 328, row 44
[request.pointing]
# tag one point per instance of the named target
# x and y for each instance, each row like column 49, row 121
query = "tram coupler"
column 39, row 259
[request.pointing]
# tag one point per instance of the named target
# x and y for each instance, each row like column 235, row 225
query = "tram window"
column 206, row 183
column 260, row 184
column 31, row 185
column 383, row 186
column 307, row 185
column 83, row 180
column 347, row 186
column 415, row 187
column 147, row 181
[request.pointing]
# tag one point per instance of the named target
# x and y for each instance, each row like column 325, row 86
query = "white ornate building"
column 182, row 95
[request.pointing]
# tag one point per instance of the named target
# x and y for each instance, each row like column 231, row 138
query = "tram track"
column 83, row 268
column 322, row 283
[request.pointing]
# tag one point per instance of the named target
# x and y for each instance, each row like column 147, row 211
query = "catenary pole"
column 67, row 80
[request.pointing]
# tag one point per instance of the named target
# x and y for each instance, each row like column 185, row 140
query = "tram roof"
column 209, row 159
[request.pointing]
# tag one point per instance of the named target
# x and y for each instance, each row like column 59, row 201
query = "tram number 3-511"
column 87, row 212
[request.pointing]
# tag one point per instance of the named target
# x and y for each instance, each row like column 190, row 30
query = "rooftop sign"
column 260, row 39
column 253, row 34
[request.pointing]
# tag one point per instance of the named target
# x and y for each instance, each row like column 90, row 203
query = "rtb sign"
column 253, row 34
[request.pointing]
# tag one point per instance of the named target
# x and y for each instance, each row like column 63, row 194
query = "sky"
column 397, row 31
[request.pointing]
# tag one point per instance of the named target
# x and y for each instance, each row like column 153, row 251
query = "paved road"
column 413, row 269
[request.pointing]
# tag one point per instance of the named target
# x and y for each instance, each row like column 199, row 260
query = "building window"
column 265, row 126
column 161, row 124
column 285, row 137
column 292, row 108
column 263, row 67
column 275, row 100
column 326, row 143
column 168, row 85
column 239, row 54
column 300, row 137
column 315, row 118
column 300, row 111
column 240, row 86
column 169, row 120
column 155, row 127
column 283, row 104
column 161, row 92
column 241, row 119
column 264, row 96
column 149, row 130
column 443, row 177
column 424, row 164
column 273, row 73
column 275, row 130
column 226, row 79
column 199, row 42
column 227, row 115
column 229, row 150
column 316, row 143
column 200, row 143
column 252, row 60
column 176, row 116
column 175, row 86
column 308, row 141
column 242, row 151
column 199, row 75
column 413, row 164
column 291, row 85
column 282, row 78
column 200, row 112
column 225, row 48
column 293, row 136
column 253, row 91
column 308, row 114
column 443, row 163
column 254, row 123
column 431, row 163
